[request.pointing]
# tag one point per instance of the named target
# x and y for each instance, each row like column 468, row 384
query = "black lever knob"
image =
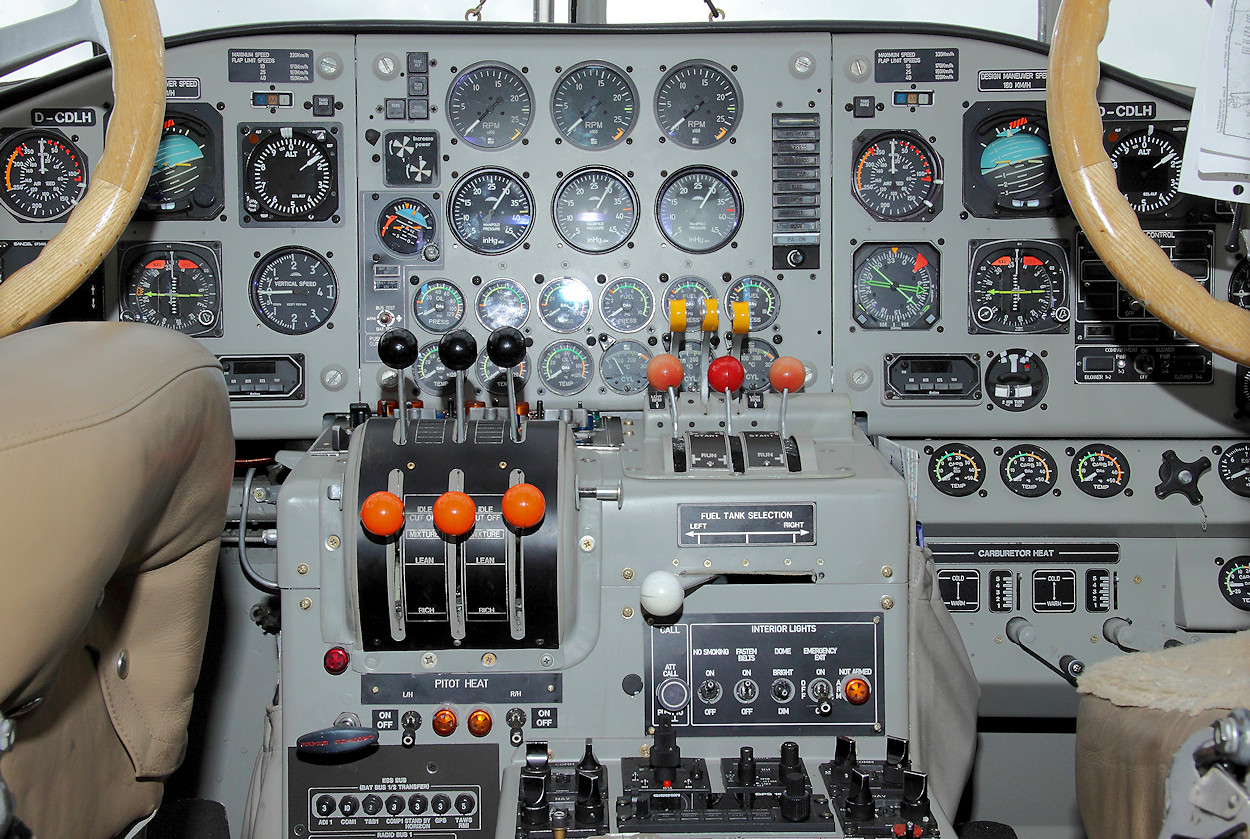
column 397, row 348
column 337, row 740
column 457, row 350
column 506, row 347
column 588, row 809
column 535, row 809
column 859, row 803
column 915, row 802
column 790, row 761
column 746, row 766
column 844, row 753
column 796, row 799
column 589, row 763
column 897, row 759
column 665, row 756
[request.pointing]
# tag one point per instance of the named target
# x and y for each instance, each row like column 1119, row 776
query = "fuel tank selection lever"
column 397, row 348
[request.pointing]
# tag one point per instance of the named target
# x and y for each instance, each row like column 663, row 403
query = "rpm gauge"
column 491, row 211
column 438, row 305
column 502, row 302
column 1148, row 168
column 289, row 174
column 565, row 368
column 698, row 209
column 896, row 286
column 1100, row 470
column 698, row 104
column 293, row 290
column 1234, row 469
column 1018, row 287
column 594, row 105
column 624, row 367
column 627, row 304
column 406, row 226
column 177, row 286
column 897, row 176
column 564, row 304
column 760, row 295
column 595, row 210
column 1028, row 470
column 45, row 175
column 489, row 106
column 957, row 470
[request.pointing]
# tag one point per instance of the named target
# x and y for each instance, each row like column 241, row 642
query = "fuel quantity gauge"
column 895, row 286
column 957, row 470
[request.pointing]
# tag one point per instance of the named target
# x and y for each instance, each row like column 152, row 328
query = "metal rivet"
column 787, row 560
column 123, row 665
column 746, row 563
column 627, row 574
column 676, row 562
column 306, row 603
column 707, row 563
column 1137, row 580
column 302, row 568
column 332, row 542
column 887, row 602
column 375, row 689
column 627, row 612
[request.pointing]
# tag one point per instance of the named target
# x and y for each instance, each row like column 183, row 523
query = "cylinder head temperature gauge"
column 957, row 470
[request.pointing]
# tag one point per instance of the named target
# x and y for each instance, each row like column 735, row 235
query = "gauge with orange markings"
column 406, row 226
column 45, row 175
column 595, row 210
column 1100, row 470
column 1018, row 287
column 896, row 175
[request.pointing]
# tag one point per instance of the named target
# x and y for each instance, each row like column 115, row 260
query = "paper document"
column 1217, row 153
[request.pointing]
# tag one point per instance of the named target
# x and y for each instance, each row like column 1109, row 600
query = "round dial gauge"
column 594, row 105
column 1234, row 468
column 1014, row 163
column 698, row 209
column 493, row 379
column 438, row 305
column 698, row 104
column 627, row 304
column 175, row 288
column 290, row 175
column 1239, row 285
column 896, row 176
column 1028, row 471
column 1235, row 582
column 760, row 295
column 502, row 302
column 896, row 287
column 957, row 469
column 45, row 175
column 564, row 304
column 1100, row 470
column 595, row 210
column 1016, row 380
column 491, row 211
column 432, row 376
column 757, row 357
column 624, row 367
column 1148, row 169
column 692, row 290
column 406, row 226
column 489, row 106
column 293, row 290
column 183, row 165
column 688, row 352
column 1016, row 289
column 565, row 368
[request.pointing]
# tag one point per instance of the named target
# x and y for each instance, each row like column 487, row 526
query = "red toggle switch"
column 454, row 513
column 725, row 374
column 787, row 373
column 664, row 372
column 524, row 506
column 382, row 514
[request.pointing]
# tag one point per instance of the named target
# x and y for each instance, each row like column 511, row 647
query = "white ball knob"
column 661, row 593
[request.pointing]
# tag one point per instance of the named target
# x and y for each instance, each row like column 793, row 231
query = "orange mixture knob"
column 726, row 374
column 665, row 371
column 786, row 373
column 524, row 506
column 454, row 513
column 382, row 514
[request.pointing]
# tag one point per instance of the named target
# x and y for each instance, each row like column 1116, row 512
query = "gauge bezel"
column 921, row 321
column 770, row 318
column 478, row 67
column 546, row 288
column 1041, row 454
column 637, row 283
column 430, row 238
column 1058, row 321
column 971, row 454
column 619, row 346
column 9, row 146
column 256, row 212
column 481, row 292
column 423, row 352
column 725, row 180
column 1177, row 131
column 754, row 343
column 442, row 281
column 1226, row 570
column 1106, row 450
column 197, row 205
column 982, row 197
column 132, row 256
column 522, row 371
column 739, row 105
column 463, row 184
column 1225, row 457
column 546, row 354
column 1240, row 276
column 930, row 204
column 272, row 257
column 612, row 69
column 610, row 174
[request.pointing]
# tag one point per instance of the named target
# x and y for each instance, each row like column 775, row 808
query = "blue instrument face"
column 406, row 226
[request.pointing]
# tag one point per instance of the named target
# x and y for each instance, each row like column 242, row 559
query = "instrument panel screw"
column 627, row 574
column 332, row 542
column 887, row 571
column 375, row 689
column 588, row 544
column 707, row 563
column 627, row 612
column 305, row 603
column 887, row 602
column 1137, row 580
column 546, row 660
column 488, row 659
column 302, row 568
column 429, row 660
column 876, row 726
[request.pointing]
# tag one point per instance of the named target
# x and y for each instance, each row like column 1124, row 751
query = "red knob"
column 382, row 514
column 524, row 506
column 665, row 371
column 787, row 373
column 454, row 513
column 725, row 374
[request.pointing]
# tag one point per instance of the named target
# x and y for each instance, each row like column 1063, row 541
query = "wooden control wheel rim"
column 1104, row 214
column 137, row 51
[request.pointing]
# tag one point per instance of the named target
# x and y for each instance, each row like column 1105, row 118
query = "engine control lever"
column 397, row 348
column 786, row 375
column 1020, row 631
column 457, row 351
column 1132, row 638
column 337, row 740
column 506, row 349
column 665, row 374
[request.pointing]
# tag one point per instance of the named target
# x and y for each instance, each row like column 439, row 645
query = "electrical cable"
column 253, row 577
